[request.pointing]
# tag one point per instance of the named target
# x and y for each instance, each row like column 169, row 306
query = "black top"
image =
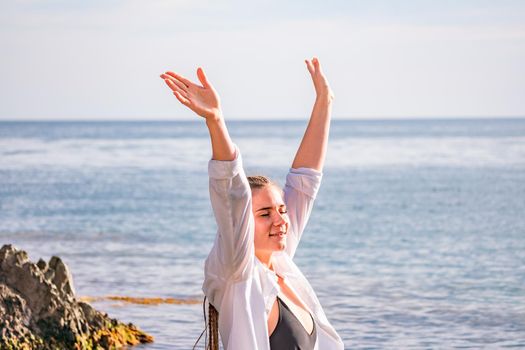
column 289, row 333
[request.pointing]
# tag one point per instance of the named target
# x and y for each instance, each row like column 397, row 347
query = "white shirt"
column 240, row 287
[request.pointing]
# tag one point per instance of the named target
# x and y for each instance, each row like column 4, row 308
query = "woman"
column 263, row 300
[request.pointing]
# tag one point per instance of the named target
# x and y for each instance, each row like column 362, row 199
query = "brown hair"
column 211, row 340
column 260, row 181
column 213, row 324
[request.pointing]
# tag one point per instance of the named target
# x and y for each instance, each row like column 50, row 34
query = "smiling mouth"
column 280, row 234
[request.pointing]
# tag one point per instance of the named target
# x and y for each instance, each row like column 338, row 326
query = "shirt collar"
column 269, row 285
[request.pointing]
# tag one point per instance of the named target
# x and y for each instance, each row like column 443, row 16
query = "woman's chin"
column 280, row 246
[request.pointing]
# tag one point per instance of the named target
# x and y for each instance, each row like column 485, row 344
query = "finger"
column 175, row 88
column 180, row 78
column 316, row 64
column 181, row 98
column 177, row 82
column 202, row 78
column 310, row 67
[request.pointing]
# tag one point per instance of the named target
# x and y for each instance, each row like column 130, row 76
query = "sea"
column 416, row 239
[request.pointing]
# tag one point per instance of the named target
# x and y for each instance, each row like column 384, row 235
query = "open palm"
column 203, row 100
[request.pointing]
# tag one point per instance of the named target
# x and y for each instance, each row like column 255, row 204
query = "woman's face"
column 271, row 220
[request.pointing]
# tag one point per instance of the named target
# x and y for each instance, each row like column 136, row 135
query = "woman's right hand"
column 203, row 100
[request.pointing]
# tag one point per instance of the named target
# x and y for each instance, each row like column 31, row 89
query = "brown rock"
column 38, row 309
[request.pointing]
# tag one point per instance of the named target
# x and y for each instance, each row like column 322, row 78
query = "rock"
column 42, row 265
column 38, row 309
column 62, row 278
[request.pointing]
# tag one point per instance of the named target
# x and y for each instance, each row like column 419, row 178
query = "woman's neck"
column 265, row 259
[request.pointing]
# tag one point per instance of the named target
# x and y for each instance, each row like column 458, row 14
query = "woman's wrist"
column 214, row 117
column 325, row 97
column 324, row 92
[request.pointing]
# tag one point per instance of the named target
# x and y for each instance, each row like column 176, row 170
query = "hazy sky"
column 70, row 59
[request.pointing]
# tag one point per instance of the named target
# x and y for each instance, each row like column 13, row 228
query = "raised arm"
column 205, row 102
column 304, row 179
column 312, row 151
column 230, row 193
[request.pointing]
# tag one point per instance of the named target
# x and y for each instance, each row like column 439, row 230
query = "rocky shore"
column 39, row 310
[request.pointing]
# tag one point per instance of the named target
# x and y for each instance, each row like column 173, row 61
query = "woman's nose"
column 279, row 219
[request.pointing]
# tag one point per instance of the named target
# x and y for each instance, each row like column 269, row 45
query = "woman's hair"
column 260, row 181
column 256, row 182
column 213, row 324
column 211, row 340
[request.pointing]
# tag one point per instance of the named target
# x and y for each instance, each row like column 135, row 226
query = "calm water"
column 417, row 239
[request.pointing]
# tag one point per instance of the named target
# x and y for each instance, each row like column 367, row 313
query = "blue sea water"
column 416, row 241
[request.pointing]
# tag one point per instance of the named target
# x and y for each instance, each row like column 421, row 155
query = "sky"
column 101, row 60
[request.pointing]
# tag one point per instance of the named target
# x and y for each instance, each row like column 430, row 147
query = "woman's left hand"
column 322, row 88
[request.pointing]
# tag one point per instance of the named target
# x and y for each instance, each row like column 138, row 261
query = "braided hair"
column 211, row 341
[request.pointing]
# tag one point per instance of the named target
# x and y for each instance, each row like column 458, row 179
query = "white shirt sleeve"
column 233, row 251
column 300, row 190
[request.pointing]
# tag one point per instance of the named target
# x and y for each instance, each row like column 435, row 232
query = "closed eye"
column 282, row 212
